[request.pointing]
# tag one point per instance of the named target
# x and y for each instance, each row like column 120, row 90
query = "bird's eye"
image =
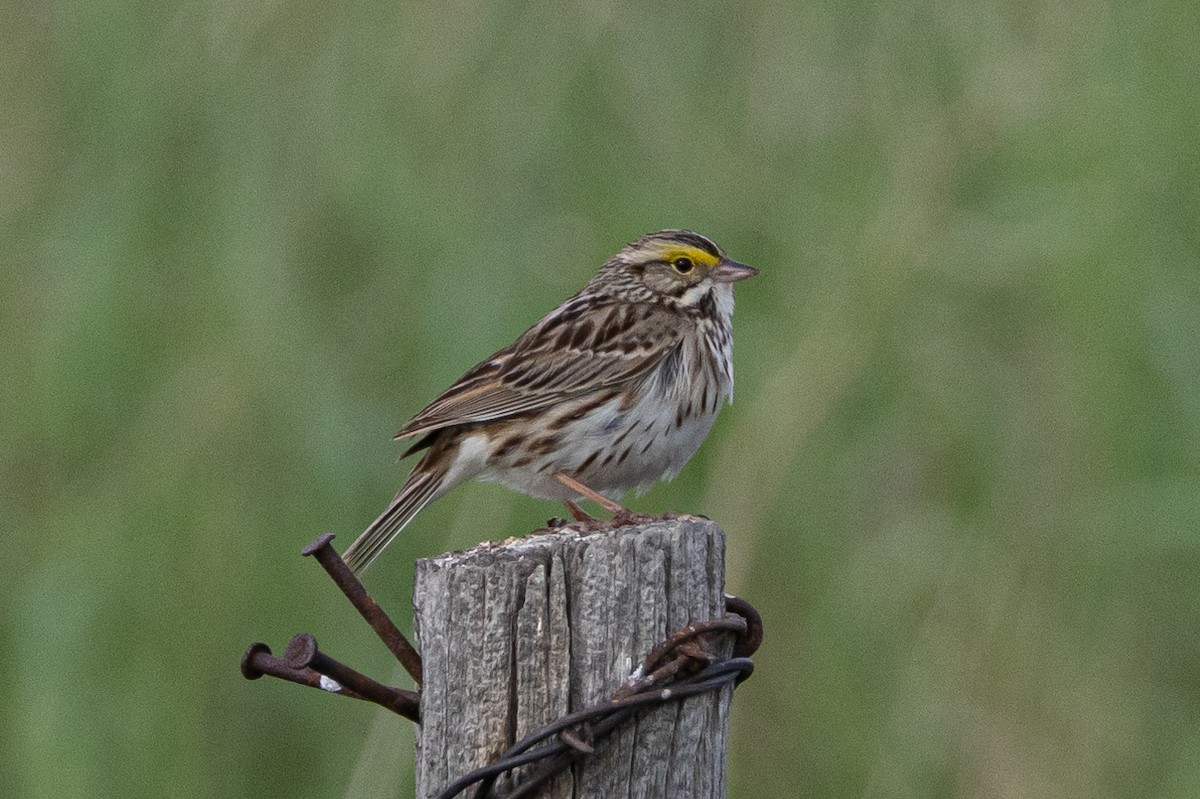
column 683, row 265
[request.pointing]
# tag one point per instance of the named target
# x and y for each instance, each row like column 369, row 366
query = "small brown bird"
column 613, row 390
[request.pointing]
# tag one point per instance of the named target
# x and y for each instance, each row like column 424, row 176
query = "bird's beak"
column 728, row 271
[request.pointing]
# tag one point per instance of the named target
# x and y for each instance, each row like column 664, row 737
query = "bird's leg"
column 587, row 493
column 620, row 514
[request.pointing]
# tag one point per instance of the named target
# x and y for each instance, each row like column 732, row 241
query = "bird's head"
column 674, row 265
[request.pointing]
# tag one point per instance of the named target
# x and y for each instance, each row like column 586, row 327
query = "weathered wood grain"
column 515, row 634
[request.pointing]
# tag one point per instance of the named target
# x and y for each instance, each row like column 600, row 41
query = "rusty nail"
column 254, row 662
column 303, row 653
column 259, row 661
column 322, row 549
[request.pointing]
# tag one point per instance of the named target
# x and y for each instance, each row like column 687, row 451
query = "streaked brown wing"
column 585, row 344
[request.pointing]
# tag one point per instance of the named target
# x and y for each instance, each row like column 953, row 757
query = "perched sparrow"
column 612, row 390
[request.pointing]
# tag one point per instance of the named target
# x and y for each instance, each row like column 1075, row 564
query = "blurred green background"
column 243, row 242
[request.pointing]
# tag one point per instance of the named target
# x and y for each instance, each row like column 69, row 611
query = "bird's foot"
column 625, row 517
column 585, row 523
column 587, row 493
column 672, row 515
column 621, row 516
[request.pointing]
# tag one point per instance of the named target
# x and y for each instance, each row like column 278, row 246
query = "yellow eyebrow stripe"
column 697, row 255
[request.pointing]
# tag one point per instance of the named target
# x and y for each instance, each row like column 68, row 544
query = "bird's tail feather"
column 422, row 488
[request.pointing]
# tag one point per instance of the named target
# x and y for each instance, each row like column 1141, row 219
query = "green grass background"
column 243, row 242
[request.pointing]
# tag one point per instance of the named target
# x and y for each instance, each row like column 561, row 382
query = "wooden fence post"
column 515, row 634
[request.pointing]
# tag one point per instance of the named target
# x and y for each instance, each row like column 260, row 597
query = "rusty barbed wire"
column 693, row 668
